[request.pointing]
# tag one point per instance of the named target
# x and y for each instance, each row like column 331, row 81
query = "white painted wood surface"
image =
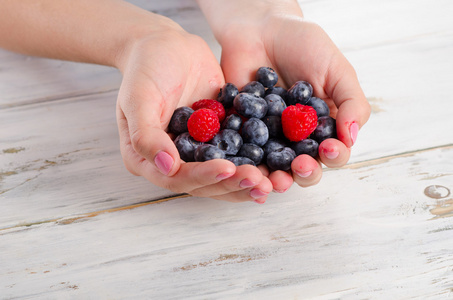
column 74, row 224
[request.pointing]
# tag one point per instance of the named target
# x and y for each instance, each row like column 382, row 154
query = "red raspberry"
column 211, row 104
column 299, row 121
column 203, row 124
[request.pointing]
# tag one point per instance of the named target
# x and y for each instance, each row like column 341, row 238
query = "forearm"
column 221, row 14
column 83, row 30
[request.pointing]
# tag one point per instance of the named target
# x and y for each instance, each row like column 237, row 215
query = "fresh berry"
column 233, row 121
column 255, row 131
column 267, row 77
column 326, row 129
column 300, row 92
column 178, row 121
column 275, row 105
column 254, row 88
column 227, row 94
column 321, row 107
column 207, row 152
column 203, row 124
column 273, row 145
column 250, row 106
column 252, row 151
column 307, row 146
column 240, row 160
column 186, row 146
column 281, row 159
column 274, row 125
column 211, row 104
column 227, row 140
column 277, row 90
column 298, row 122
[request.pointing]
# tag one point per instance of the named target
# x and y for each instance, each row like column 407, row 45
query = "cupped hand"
column 299, row 50
column 162, row 71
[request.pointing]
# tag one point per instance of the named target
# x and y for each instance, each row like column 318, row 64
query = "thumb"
column 143, row 115
column 353, row 107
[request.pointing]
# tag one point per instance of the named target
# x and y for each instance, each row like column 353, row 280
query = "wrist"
column 153, row 27
column 232, row 17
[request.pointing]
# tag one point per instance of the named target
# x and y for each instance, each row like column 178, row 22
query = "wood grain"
column 358, row 234
column 74, row 224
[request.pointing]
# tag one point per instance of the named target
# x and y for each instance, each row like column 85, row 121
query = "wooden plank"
column 65, row 161
column 26, row 80
column 64, row 145
column 358, row 234
column 356, row 24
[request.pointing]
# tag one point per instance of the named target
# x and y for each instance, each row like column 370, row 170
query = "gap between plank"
column 75, row 218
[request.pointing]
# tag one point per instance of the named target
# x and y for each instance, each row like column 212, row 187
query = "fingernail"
column 304, row 174
column 260, row 201
column 164, row 162
column 245, row 183
column 353, row 131
column 223, row 176
column 331, row 154
column 280, row 191
column 257, row 193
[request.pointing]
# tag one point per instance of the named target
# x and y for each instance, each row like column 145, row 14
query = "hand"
column 297, row 50
column 162, row 71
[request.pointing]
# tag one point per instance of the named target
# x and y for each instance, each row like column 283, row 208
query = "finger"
column 281, row 181
column 353, row 107
column 333, row 153
column 258, row 193
column 142, row 105
column 237, row 65
column 306, row 170
column 245, row 177
column 191, row 176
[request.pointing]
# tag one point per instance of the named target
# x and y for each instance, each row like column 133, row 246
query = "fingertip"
column 306, row 170
column 333, row 153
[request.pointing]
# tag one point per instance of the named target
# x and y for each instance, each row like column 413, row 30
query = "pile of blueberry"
column 260, row 124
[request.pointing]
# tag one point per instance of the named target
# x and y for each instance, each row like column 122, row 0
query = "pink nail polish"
column 245, row 183
column 304, row 174
column 331, row 154
column 223, row 176
column 354, row 130
column 259, row 201
column 256, row 193
column 164, row 162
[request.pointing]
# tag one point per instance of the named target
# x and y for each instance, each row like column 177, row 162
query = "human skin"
column 257, row 33
column 165, row 67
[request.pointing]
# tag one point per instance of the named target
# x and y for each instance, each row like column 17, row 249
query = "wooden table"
column 74, row 224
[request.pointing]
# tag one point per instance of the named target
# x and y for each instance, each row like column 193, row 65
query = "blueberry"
column 255, row 131
column 254, row 88
column 250, row 106
column 267, row 76
column 274, row 125
column 277, row 90
column 252, row 151
column 281, row 159
column 239, row 160
column 207, row 152
column 275, row 105
column 232, row 122
column 227, row 140
column 273, row 145
column 227, row 94
column 186, row 146
column 306, row 146
column 321, row 107
column 178, row 121
column 300, row 92
column 326, row 129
